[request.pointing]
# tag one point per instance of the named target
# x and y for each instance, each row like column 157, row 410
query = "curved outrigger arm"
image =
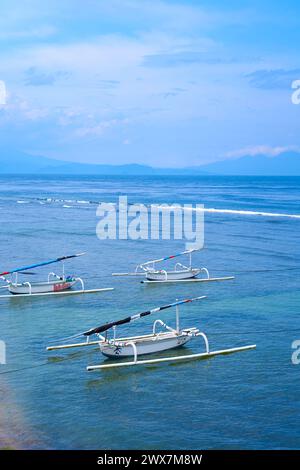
column 186, row 252
column 152, row 263
column 5, row 280
column 143, row 268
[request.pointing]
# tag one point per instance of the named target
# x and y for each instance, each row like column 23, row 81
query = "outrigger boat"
column 54, row 285
column 180, row 273
column 157, row 341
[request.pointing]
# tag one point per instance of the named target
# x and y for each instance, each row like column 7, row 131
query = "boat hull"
column 40, row 287
column 172, row 275
column 149, row 345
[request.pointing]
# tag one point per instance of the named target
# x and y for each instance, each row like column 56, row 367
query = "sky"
column 163, row 82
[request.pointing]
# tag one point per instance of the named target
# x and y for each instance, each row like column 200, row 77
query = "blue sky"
column 165, row 83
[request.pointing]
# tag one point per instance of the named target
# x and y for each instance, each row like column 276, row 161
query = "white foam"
column 212, row 210
column 249, row 213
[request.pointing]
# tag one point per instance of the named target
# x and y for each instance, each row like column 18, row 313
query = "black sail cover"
column 108, row 326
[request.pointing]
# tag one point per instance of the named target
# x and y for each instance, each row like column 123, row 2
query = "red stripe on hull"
column 62, row 286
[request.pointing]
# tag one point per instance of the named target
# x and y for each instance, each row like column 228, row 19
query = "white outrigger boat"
column 155, row 342
column 54, row 285
column 180, row 273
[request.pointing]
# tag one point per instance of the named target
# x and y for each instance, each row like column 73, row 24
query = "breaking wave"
column 249, row 213
column 67, row 203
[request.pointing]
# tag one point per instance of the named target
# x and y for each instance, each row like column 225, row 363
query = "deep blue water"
column 248, row 400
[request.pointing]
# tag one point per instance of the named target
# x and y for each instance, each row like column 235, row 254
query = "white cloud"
column 35, row 33
column 18, row 109
column 111, row 52
column 105, row 79
column 100, row 128
column 262, row 150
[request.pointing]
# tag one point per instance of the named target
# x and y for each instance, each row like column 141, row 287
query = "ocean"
column 241, row 401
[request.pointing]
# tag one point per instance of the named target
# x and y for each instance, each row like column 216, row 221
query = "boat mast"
column 177, row 318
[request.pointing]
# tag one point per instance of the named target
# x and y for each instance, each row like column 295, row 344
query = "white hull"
column 172, row 275
column 40, row 287
column 144, row 345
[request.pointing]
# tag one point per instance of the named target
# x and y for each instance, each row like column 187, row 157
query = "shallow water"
column 247, row 400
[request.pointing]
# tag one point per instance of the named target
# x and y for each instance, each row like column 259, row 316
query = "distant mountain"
column 19, row 162
column 129, row 169
column 22, row 163
column 285, row 164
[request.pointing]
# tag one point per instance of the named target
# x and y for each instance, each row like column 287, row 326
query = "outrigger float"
column 180, row 273
column 54, row 285
column 157, row 341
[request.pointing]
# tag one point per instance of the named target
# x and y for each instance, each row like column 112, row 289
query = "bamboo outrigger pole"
column 44, row 263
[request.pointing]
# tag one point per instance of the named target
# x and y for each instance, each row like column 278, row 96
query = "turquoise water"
column 248, row 400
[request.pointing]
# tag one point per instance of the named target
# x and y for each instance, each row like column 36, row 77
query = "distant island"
column 285, row 164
